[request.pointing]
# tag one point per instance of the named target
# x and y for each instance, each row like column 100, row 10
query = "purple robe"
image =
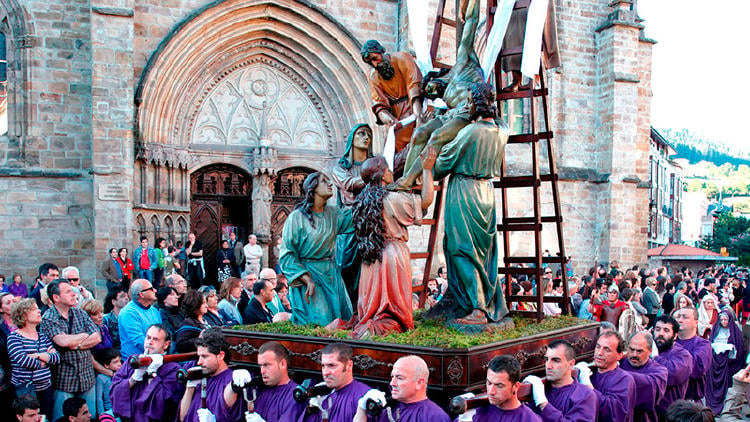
column 702, row 353
column 215, row 400
column 157, row 400
column 722, row 366
column 615, row 391
column 650, row 385
column 277, row 403
column 679, row 364
column 341, row 404
column 494, row 413
column 424, row 410
column 572, row 403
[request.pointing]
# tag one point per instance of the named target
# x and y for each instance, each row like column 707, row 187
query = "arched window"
column 14, row 51
column 182, row 228
column 140, row 225
column 169, row 226
column 155, row 227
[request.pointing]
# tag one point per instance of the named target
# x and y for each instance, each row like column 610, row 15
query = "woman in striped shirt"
column 31, row 354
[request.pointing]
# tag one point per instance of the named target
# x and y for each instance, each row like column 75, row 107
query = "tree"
column 732, row 233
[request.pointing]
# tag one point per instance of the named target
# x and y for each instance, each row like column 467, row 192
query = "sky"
column 699, row 71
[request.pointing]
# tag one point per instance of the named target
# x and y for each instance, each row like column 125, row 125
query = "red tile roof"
column 680, row 250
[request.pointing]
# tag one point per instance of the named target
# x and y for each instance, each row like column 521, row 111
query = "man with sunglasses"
column 74, row 278
column 136, row 317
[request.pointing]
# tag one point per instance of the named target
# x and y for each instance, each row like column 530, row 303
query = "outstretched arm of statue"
column 471, row 21
column 386, row 117
column 416, row 107
column 429, row 155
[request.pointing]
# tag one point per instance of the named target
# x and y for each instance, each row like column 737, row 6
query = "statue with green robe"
column 345, row 175
column 472, row 159
column 316, row 290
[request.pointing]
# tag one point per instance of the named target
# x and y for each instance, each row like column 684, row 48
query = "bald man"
column 649, row 375
column 408, row 387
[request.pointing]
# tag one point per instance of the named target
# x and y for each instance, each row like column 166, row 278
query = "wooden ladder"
column 534, row 223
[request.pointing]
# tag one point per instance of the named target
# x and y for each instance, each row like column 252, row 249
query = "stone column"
column 112, row 98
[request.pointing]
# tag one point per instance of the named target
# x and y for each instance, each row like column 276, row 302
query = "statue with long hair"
column 316, row 290
column 345, row 175
column 381, row 220
column 473, row 159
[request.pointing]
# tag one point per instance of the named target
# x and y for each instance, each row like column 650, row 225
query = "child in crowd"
column 110, row 359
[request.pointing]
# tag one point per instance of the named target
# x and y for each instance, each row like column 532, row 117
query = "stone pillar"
column 112, row 99
column 264, row 170
column 623, row 109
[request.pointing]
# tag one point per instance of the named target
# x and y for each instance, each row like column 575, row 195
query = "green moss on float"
column 429, row 333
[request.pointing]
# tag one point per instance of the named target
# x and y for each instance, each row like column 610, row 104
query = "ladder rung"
column 441, row 65
column 524, row 93
column 519, row 227
column 521, row 181
column 419, row 255
column 532, row 259
column 528, row 137
column 516, row 270
column 447, row 21
column 522, row 220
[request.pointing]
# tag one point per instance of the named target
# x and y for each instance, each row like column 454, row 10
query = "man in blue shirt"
column 136, row 317
column 145, row 260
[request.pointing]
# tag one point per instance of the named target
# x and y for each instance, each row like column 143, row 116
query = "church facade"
column 158, row 117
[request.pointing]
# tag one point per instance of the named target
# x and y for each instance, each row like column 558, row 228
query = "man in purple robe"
column 699, row 348
column 503, row 381
column 149, row 393
column 276, row 402
column 614, row 388
column 650, row 376
column 675, row 358
column 562, row 398
column 409, row 388
column 223, row 385
column 341, row 404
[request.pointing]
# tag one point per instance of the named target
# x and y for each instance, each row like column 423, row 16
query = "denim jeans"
column 147, row 274
column 60, row 396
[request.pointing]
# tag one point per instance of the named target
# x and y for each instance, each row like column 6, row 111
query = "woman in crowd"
column 225, row 262
column 6, row 327
column 112, row 270
column 728, row 358
column 682, row 302
column 95, row 310
column 115, row 300
column 6, row 303
column 126, row 265
column 31, row 354
column 230, row 293
column 282, row 290
column 161, row 252
column 194, row 307
column 169, row 308
column 212, row 317
column 707, row 315
column 18, row 288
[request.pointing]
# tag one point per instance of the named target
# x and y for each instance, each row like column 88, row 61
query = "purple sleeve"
column 615, row 399
column 650, row 385
column 679, row 366
column 162, row 396
column 119, row 393
column 702, row 360
column 583, row 409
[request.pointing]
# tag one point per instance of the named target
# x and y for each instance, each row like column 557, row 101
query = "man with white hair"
column 136, row 317
column 269, row 275
column 74, row 278
column 408, row 387
column 253, row 254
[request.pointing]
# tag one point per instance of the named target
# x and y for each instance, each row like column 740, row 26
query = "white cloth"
column 389, row 149
column 532, row 41
column 497, row 34
column 418, row 15
column 253, row 254
column 720, row 348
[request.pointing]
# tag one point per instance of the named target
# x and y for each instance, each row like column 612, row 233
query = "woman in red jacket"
column 127, row 267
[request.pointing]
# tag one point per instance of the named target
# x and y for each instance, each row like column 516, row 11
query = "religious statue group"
column 349, row 265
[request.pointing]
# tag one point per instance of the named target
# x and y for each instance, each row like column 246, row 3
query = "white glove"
column 205, row 415
column 373, row 394
column 467, row 396
column 138, row 374
column 537, row 389
column 156, row 362
column 467, row 416
column 193, row 383
column 240, row 378
column 584, row 373
column 253, row 417
column 315, row 402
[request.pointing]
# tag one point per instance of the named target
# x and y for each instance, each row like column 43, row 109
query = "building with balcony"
column 665, row 193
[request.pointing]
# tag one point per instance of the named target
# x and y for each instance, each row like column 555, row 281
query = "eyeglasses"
column 150, row 288
column 73, row 279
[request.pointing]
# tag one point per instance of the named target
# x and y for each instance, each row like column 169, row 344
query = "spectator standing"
column 257, row 310
column 146, row 260
column 169, row 308
column 196, row 271
column 212, row 317
column 230, row 293
column 651, row 301
column 253, row 254
column 31, row 354
column 667, row 301
column 171, row 265
column 18, row 287
column 112, row 270
column 47, row 274
column 137, row 316
column 248, row 279
column 161, row 252
column 225, row 262
column 109, row 359
column 194, row 308
column 74, row 278
column 275, row 305
column 6, row 327
column 239, row 253
column 115, row 300
column 127, row 267
column 74, row 334
column 95, row 311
